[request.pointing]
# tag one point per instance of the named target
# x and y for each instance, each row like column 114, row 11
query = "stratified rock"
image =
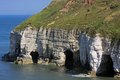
column 28, row 41
column 91, row 51
column 49, row 43
column 54, row 43
column 15, row 40
column 101, row 54
column 115, row 55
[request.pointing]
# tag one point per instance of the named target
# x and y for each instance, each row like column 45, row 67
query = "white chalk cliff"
column 97, row 52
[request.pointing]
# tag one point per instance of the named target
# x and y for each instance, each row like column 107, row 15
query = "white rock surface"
column 47, row 42
column 96, row 52
column 115, row 55
column 28, row 41
column 91, row 50
column 56, row 41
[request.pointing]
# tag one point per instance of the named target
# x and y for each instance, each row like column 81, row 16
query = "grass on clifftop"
column 103, row 16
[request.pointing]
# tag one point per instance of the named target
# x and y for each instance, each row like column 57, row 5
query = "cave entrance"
column 69, row 59
column 106, row 67
column 35, row 56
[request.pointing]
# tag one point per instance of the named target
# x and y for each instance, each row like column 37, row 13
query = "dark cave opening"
column 106, row 67
column 35, row 56
column 69, row 62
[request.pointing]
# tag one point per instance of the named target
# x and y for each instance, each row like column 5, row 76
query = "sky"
column 22, row 7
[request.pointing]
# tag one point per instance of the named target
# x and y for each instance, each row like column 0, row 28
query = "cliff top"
column 92, row 16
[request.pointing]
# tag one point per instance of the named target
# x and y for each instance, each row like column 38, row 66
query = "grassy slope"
column 103, row 17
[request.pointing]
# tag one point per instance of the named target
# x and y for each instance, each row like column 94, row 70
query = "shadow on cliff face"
column 35, row 56
column 69, row 59
column 106, row 67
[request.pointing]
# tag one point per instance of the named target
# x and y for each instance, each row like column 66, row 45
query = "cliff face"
column 15, row 40
column 102, row 54
column 115, row 54
column 49, row 43
column 97, row 54
column 56, row 41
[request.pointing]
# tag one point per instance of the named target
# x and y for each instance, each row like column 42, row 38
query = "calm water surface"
column 10, row 71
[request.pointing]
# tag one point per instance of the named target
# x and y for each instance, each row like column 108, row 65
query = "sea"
column 11, row 71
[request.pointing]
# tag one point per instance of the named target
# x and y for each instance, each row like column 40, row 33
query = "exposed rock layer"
column 102, row 54
column 52, row 43
column 49, row 43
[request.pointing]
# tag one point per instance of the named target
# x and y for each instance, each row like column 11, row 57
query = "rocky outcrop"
column 115, row 54
column 28, row 44
column 63, row 47
column 101, row 54
column 91, row 51
column 15, row 39
column 52, row 42
column 49, row 43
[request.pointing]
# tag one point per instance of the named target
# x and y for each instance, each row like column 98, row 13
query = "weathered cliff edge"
column 96, row 54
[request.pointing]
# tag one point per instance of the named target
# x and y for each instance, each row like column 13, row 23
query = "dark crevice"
column 69, row 62
column 35, row 56
column 106, row 67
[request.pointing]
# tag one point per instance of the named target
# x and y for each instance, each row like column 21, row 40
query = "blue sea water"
column 7, row 24
column 10, row 71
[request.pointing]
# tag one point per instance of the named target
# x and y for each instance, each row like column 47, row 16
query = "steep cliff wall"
column 14, row 50
column 97, row 54
column 15, row 40
column 92, row 52
column 115, row 54
column 101, row 54
column 49, row 43
column 54, row 41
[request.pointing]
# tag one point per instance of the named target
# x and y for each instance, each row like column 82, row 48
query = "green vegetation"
column 103, row 16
